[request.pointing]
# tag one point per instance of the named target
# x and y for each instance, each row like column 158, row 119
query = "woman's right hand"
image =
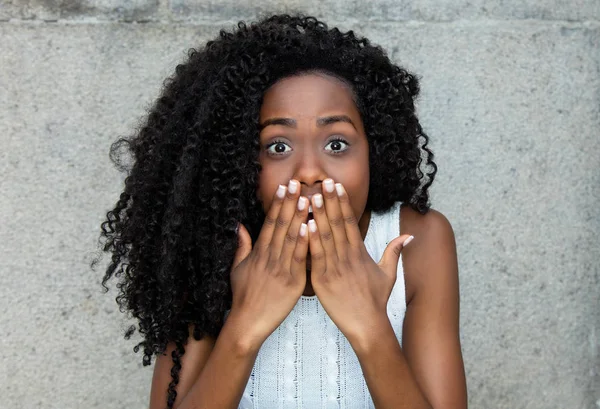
column 268, row 279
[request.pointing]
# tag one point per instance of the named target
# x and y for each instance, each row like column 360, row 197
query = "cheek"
column 357, row 186
column 267, row 186
column 358, row 190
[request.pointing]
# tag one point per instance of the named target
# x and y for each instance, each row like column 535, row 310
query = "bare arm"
column 427, row 372
column 213, row 374
column 386, row 370
column 222, row 381
column 431, row 339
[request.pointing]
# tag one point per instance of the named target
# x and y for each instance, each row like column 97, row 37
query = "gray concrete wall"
column 511, row 100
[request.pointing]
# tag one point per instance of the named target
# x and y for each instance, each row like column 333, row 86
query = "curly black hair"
column 194, row 168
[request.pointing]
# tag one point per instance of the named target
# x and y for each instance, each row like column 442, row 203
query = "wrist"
column 241, row 334
column 371, row 336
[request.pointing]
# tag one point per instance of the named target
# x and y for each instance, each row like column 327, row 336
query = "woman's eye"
column 337, row 145
column 278, row 148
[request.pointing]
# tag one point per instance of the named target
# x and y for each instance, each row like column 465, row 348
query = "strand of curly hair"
column 194, row 172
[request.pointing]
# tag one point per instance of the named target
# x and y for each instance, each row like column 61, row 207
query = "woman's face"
column 311, row 130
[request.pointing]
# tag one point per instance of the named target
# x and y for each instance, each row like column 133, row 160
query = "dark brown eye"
column 337, row 145
column 278, row 148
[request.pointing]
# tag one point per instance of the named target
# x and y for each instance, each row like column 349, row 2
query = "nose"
column 309, row 169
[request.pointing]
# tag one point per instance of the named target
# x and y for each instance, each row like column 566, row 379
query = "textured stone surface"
column 513, row 111
column 67, row 92
column 437, row 10
column 226, row 9
column 354, row 10
column 129, row 10
column 385, row 10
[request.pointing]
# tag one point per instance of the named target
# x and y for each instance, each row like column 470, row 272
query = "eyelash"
column 336, row 139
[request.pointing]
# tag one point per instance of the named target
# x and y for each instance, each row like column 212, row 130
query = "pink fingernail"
column 407, row 241
column 303, row 229
column 293, row 186
column 281, row 191
column 312, row 226
column 318, row 200
column 302, row 203
column 340, row 189
column 328, row 185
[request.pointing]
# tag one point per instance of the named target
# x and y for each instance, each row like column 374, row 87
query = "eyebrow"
column 321, row 122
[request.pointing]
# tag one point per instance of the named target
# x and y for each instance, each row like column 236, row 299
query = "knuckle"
column 261, row 249
column 336, row 221
column 269, row 221
column 318, row 255
column 324, row 278
column 272, row 268
column 282, row 223
column 351, row 220
column 343, row 261
column 299, row 259
column 290, row 238
column 326, row 235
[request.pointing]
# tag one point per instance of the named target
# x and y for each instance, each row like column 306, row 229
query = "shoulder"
column 431, row 256
column 430, row 225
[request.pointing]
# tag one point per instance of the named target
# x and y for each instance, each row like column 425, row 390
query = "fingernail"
column 407, row 241
column 328, row 185
column 318, row 200
column 303, row 229
column 310, row 209
column 281, row 191
column 312, row 226
column 339, row 188
column 293, row 187
column 302, row 203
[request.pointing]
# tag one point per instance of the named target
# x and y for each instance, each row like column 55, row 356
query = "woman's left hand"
column 353, row 289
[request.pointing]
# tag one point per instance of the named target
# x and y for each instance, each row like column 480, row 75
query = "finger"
column 391, row 254
column 298, row 261
column 318, row 260
column 291, row 238
column 244, row 246
column 284, row 220
column 335, row 219
column 324, row 229
column 350, row 221
column 266, row 233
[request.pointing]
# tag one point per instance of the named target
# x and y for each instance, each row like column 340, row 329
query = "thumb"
column 244, row 246
column 391, row 254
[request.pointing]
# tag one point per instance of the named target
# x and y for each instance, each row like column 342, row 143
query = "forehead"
column 308, row 95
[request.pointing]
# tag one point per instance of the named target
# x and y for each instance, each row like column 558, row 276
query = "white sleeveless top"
column 307, row 362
